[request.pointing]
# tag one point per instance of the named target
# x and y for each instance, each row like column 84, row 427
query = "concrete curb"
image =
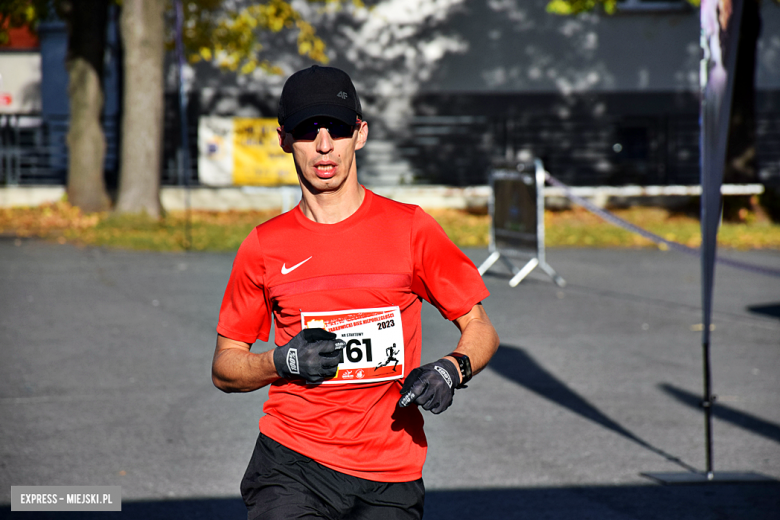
column 174, row 198
column 26, row 196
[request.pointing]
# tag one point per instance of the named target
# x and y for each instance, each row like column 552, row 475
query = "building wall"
column 515, row 45
column 603, row 99
column 519, row 47
column 450, row 86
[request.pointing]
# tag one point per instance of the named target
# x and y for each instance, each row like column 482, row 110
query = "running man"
column 336, row 440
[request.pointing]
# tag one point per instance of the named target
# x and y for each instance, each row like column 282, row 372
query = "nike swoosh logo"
column 286, row 270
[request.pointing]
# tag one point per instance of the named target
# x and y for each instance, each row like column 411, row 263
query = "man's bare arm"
column 236, row 369
column 478, row 339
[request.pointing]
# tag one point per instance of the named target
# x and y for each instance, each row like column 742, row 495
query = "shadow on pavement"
column 650, row 502
column 515, row 364
column 744, row 420
column 770, row 309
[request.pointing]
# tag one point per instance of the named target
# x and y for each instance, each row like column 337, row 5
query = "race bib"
column 372, row 343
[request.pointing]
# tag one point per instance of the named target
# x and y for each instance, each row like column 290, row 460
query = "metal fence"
column 28, row 152
column 34, row 151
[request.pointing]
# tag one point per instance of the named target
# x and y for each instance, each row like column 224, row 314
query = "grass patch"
column 224, row 231
column 208, row 230
column 579, row 228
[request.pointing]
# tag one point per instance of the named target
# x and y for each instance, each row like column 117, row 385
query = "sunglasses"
column 308, row 130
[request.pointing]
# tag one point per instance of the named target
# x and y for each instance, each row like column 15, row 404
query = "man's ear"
column 362, row 135
column 285, row 139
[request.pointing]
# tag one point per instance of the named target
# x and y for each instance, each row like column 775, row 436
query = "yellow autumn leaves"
column 231, row 38
column 224, row 231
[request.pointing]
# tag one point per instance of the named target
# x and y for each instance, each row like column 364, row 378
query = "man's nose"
column 324, row 141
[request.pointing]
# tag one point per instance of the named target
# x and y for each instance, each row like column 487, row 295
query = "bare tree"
column 86, row 21
column 142, row 26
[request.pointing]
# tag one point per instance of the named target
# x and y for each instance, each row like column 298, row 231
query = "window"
column 652, row 5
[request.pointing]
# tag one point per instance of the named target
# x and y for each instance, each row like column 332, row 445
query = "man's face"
column 324, row 151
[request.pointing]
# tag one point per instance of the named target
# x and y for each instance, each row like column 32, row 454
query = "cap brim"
column 344, row 114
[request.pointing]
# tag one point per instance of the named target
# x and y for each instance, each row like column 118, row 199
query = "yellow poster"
column 257, row 158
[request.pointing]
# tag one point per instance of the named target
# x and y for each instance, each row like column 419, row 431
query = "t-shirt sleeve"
column 443, row 275
column 245, row 314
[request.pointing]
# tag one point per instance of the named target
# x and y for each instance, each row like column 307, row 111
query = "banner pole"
column 707, row 405
column 720, row 26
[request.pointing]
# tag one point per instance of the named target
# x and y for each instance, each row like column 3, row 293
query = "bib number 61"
column 354, row 351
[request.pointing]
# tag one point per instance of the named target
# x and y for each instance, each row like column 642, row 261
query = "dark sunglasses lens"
column 305, row 132
column 340, row 130
column 308, row 130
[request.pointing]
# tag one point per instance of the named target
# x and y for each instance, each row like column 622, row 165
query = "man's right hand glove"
column 311, row 355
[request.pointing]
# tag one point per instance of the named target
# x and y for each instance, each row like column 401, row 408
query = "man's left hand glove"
column 431, row 386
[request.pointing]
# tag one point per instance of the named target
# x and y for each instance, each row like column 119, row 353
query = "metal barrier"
column 517, row 221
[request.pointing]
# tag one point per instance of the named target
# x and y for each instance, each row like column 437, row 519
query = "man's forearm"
column 236, row 369
column 478, row 340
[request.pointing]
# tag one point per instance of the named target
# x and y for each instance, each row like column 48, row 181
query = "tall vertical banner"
column 720, row 21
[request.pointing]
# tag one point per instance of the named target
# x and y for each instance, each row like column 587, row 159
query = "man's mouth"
column 325, row 170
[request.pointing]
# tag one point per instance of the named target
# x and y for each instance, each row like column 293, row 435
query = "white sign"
column 20, row 82
column 215, row 146
column 373, row 339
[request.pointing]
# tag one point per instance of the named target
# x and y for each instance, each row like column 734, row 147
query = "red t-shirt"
column 363, row 278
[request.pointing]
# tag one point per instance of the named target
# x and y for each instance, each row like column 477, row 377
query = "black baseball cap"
column 315, row 92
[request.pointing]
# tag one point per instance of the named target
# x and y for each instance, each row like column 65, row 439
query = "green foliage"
column 569, row 7
column 20, row 13
column 230, row 37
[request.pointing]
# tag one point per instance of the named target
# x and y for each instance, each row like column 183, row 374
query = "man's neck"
column 331, row 207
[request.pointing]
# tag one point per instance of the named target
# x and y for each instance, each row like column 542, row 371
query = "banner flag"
column 720, row 21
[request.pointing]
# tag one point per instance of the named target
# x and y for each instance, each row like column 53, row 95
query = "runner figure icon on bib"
column 391, row 353
column 371, row 341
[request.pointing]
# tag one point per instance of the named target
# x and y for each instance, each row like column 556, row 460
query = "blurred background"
column 605, row 92
column 109, row 131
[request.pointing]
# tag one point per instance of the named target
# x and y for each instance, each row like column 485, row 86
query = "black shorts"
column 281, row 484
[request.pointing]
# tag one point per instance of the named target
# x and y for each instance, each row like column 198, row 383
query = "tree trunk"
column 86, row 20
column 741, row 167
column 142, row 29
column 741, row 148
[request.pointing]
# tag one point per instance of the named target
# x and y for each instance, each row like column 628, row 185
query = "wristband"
column 464, row 364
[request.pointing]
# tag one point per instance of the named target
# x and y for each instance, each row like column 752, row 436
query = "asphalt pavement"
column 105, row 380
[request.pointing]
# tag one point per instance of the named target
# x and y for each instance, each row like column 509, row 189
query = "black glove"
column 311, row 355
column 431, row 386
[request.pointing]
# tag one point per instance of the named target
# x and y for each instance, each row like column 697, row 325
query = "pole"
column 184, row 162
column 719, row 39
column 707, row 405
